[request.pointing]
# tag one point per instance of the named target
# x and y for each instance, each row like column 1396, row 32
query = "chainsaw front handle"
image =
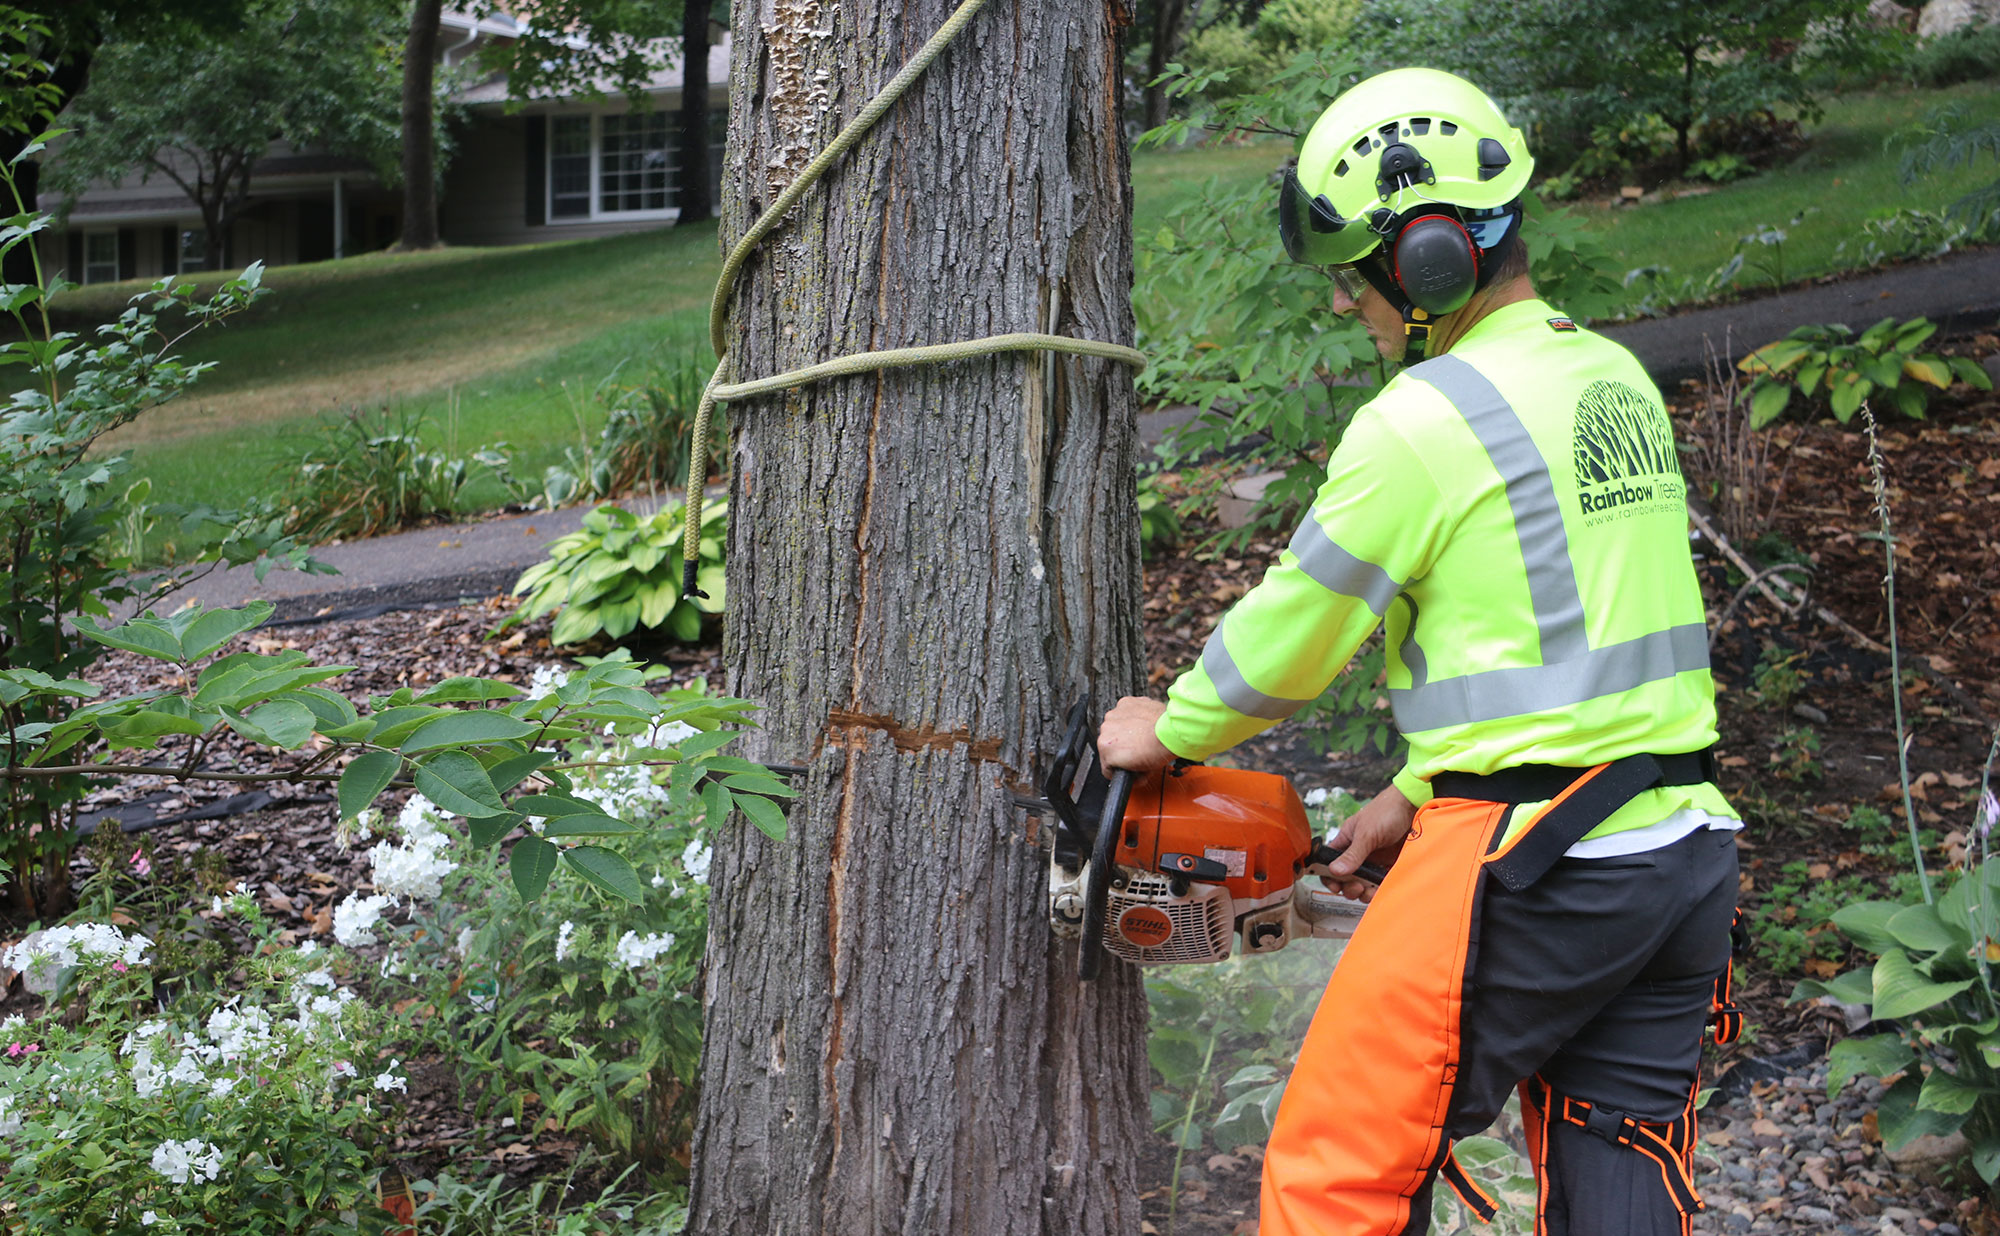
column 1097, row 884
column 1316, row 864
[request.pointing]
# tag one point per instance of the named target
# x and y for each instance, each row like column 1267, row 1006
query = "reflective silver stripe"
column 1531, row 494
column 1407, row 651
column 1491, row 694
column 1336, row 570
column 1240, row 695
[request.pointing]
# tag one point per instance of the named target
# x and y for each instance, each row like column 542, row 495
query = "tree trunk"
column 692, row 194
column 420, row 211
column 926, row 565
column 1169, row 16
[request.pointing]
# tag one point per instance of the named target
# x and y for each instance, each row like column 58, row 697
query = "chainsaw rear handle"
column 1323, row 854
column 1097, row 885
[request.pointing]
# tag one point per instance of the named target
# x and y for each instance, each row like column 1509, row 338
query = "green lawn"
column 506, row 344
column 489, row 344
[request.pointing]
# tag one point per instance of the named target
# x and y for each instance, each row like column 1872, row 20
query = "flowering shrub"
column 254, row 1113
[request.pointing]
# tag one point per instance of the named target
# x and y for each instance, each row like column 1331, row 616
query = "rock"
column 1233, row 509
column 1806, row 712
column 1816, row 1214
column 1944, row 16
column 1928, row 1155
column 1992, row 366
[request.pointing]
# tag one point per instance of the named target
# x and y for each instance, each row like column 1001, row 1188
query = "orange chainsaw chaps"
column 1361, row 1128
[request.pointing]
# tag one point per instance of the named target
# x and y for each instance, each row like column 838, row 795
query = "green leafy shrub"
column 1242, row 57
column 1722, row 168
column 620, row 573
column 1794, row 923
column 1159, row 523
column 1907, row 233
column 1618, row 148
column 1829, row 362
column 643, row 445
column 371, row 473
column 1969, row 54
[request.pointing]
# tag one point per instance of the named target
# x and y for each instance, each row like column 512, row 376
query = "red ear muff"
column 1436, row 264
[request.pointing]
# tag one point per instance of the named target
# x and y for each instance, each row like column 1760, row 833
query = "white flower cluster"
column 696, row 859
column 415, row 866
column 547, row 680
column 564, row 935
column 47, row 953
column 355, row 917
column 236, row 1041
column 627, row 791
column 192, row 1159
column 634, row 951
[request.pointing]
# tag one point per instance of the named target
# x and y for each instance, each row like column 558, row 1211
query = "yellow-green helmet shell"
column 1473, row 158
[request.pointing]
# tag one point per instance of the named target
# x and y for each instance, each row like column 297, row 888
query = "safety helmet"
column 1414, row 177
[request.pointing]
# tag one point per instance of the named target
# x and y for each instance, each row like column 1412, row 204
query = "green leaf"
column 1879, row 1056
column 1971, row 372
column 1919, row 929
column 1900, row 991
column 576, row 624
column 769, row 787
column 394, row 724
column 607, row 870
column 685, row 623
column 1848, row 396
column 515, row 769
column 364, row 779
column 143, row 727
column 765, row 814
column 696, row 745
column 1947, row 1093
column 146, row 636
column 477, row 727
column 456, row 782
column 656, row 600
column 216, row 627
column 587, row 825
column 488, row 830
column 1986, row 1156
column 329, row 708
column 1867, row 924
column 550, row 806
column 1901, row 1121
column 1768, row 402
column 716, row 802
column 284, row 724
column 469, row 691
column 531, row 864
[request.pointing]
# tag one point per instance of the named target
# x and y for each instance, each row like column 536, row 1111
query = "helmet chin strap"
column 1417, row 326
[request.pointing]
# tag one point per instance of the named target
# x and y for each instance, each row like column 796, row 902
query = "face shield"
column 1313, row 231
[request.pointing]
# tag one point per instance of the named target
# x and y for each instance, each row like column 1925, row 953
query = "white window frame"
column 182, row 262
column 597, row 213
column 83, row 276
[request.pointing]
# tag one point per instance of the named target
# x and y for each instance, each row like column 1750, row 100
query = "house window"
column 610, row 167
column 100, row 257
column 193, row 249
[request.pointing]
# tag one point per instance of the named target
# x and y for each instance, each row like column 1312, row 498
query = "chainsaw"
column 1176, row 867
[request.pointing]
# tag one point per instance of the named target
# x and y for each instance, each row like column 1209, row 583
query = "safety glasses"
column 1349, row 280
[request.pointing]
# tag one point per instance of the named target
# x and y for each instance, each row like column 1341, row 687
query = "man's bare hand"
column 1126, row 739
column 1374, row 832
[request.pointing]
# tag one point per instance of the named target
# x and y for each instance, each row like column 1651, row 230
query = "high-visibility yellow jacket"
column 1514, row 511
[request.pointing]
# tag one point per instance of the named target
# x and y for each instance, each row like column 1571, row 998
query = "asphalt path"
column 448, row 563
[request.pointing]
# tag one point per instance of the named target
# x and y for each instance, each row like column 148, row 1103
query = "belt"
column 1579, row 800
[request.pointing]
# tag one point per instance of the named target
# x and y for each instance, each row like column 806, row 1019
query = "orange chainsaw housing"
column 1251, row 823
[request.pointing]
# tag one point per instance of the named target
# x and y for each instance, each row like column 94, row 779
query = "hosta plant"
column 621, row 572
column 1828, row 361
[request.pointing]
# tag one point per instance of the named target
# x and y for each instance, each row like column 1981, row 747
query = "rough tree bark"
column 692, row 195
column 420, row 209
column 925, row 567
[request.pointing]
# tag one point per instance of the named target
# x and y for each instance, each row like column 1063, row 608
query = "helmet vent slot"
column 1361, row 147
column 1420, row 125
column 1340, row 168
column 1446, row 128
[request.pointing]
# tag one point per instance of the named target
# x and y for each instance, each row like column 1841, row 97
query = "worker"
column 1557, row 917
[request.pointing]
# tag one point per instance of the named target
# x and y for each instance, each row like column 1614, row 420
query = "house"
column 551, row 169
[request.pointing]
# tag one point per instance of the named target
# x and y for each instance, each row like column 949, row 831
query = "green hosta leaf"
column 1879, row 1056
column 619, row 617
column 713, row 580
column 1901, row 991
column 1971, row 372
column 1867, row 924
column 1853, row 987
column 216, row 627
column 531, row 864
column 685, row 623
column 1929, row 369
column 467, row 729
column 284, row 724
column 765, row 814
column 1947, row 1093
column 1919, row 929
column 591, row 824
column 469, row 691
column 607, row 870
column 1910, row 401
column 364, row 779
column 656, row 600
column 1884, row 371
column 1848, row 396
column 1986, row 1156
column 1809, row 376
column 1774, row 358
column 458, row 784
column 1768, row 401
column 576, row 624
column 1901, row 1121
column 148, row 637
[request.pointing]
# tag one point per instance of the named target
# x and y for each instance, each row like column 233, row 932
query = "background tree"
column 692, row 182
column 420, row 211
column 926, row 566
column 199, row 108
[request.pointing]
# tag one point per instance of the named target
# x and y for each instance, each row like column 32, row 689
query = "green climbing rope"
column 717, row 391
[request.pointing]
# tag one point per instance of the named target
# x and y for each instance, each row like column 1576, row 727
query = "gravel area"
column 1785, row 1158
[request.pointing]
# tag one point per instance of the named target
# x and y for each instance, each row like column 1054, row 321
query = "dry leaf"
column 1224, row 1163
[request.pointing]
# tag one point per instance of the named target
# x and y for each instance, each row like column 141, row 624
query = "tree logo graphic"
column 1625, row 458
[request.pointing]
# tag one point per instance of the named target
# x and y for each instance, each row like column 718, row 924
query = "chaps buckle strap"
column 1580, row 800
column 1667, row 1143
